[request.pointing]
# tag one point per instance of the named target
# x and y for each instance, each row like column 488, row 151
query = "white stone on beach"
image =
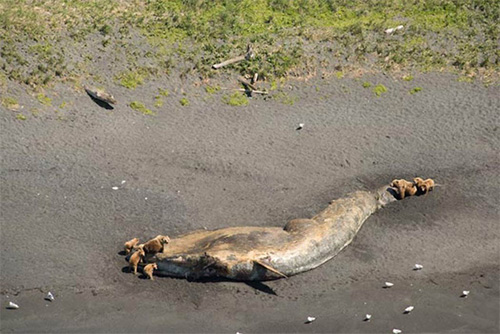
column 49, row 296
column 418, row 266
column 301, row 126
column 465, row 293
column 396, row 331
column 13, row 306
column 310, row 319
column 115, row 188
column 389, row 284
column 123, row 181
column 368, row 317
column 409, row 309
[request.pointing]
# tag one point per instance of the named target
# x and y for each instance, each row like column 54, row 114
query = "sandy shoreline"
column 211, row 165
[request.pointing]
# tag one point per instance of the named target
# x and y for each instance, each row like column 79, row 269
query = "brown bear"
column 136, row 258
column 148, row 270
column 423, row 186
column 156, row 244
column 129, row 245
column 405, row 188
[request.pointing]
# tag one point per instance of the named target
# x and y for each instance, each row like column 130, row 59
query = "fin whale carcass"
column 267, row 253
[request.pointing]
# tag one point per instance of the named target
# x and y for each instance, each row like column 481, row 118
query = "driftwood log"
column 247, row 56
column 266, row 253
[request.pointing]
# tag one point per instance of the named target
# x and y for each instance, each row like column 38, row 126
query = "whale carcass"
column 267, row 253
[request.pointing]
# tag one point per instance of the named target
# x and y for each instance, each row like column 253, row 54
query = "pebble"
column 389, row 284
column 310, row 319
column 49, row 296
column 409, row 309
column 13, row 306
column 115, row 188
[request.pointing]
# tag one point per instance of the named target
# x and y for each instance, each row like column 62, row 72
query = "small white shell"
column 368, row 317
column 49, row 297
column 418, row 267
column 396, row 331
column 115, row 188
column 123, row 181
column 465, row 293
column 389, row 284
column 409, row 309
column 310, row 319
column 13, row 306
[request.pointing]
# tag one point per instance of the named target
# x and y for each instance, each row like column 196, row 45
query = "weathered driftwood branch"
column 100, row 95
column 247, row 56
column 247, row 84
column 255, row 77
column 262, row 92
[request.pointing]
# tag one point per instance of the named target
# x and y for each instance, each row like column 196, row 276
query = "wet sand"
column 210, row 165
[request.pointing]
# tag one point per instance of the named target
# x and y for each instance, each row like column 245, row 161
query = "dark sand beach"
column 210, row 165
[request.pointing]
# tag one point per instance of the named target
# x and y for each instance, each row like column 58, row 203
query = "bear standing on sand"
column 135, row 259
column 148, row 270
column 156, row 244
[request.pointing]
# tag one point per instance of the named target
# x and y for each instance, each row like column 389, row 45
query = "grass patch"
column 379, row 90
column 21, row 117
column 163, row 92
column 366, row 84
column 139, row 106
column 184, row 102
column 212, row 89
column 132, row 79
column 10, row 103
column 158, row 101
column 459, row 36
column 235, row 99
column 408, row 77
column 45, row 100
column 285, row 98
column 415, row 90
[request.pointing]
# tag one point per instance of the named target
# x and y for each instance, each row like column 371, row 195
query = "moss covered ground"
column 61, row 40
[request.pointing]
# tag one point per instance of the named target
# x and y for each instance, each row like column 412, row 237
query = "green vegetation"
column 138, row 106
column 45, row 100
column 366, row 84
column 235, row 99
column 379, row 90
column 39, row 43
column 163, row 92
column 132, row 79
column 10, row 103
column 184, row 102
column 408, row 77
column 285, row 98
column 212, row 89
column 158, row 101
column 21, row 117
column 415, row 90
